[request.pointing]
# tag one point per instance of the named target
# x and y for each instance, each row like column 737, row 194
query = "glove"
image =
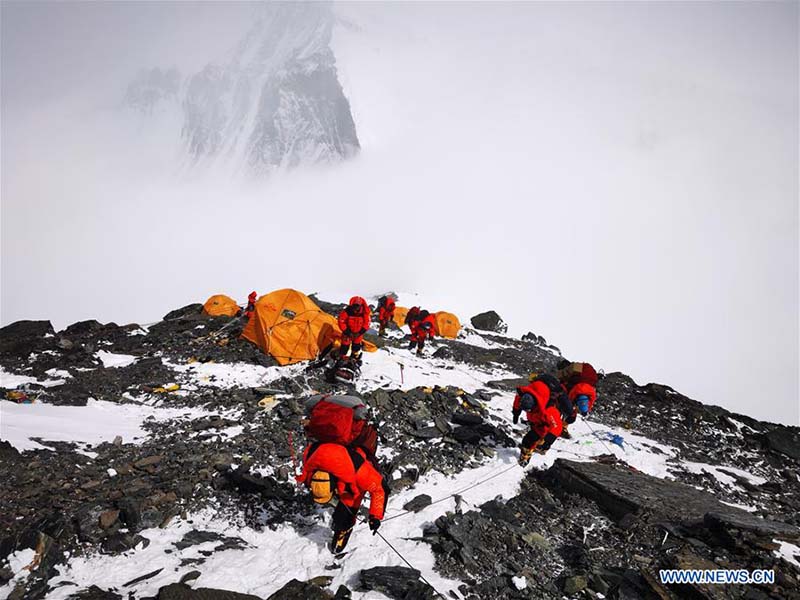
column 516, row 414
column 583, row 404
column 374, row 523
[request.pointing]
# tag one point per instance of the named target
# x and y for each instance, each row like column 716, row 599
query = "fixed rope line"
column 599, row 438
column 461, row 491
column 403, row 558
column 396, row 551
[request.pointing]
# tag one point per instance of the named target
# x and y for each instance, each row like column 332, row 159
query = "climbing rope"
column 396, row 551
column 610, row 451
column 458, row 493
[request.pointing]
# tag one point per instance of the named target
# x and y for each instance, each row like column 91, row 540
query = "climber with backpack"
column 544, row 419
column 412, row 315
column 354, row 321
column 422, row 328
column 386, row 306
column 558, row 398
column 580, row 382
column 340, row 463
column 335, row 473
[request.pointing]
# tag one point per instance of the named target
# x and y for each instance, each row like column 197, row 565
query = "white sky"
column 620, row 178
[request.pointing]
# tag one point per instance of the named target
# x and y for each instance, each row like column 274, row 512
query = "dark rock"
column 573, row 585
column 108, row 518
column 746, row 521
column 87, row 524
column 8, row 453
column 785, row 440
column 190, row 576
column 23, row 337
column 190, row 310
column 467, row 435
column 427, row 433
column 94, row 593
column 119, row 542
column 400, row 583
column 301, row 590
column 267, row 487
column 26, row 329
column 181, row 591
column 489, row 321
column 146, row 462
column 462, row 418
column 417, row 503
column 621, row 491
column 82, row 328
column 131, row 512
column 195, row 537
column 342, row 593
column 144, row 577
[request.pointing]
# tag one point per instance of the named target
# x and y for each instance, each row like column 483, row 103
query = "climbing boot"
column 565, row 432
column 525, row 456
column 339, row 541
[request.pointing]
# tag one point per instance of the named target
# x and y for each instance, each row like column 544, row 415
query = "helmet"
column 322, row 487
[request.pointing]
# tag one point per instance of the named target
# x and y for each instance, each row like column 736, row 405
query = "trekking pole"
column 402, row 381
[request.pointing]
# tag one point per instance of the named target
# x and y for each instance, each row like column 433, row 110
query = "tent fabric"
column 290, row 327
column 447, row 324
column 399, row 317
column 221, row 305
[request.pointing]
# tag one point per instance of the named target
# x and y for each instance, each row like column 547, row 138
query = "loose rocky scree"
column 578, row 529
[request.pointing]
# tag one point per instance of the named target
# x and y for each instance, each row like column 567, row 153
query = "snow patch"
column 111, row 360
column 12, row 381
column 788, row 552
column 97, row 422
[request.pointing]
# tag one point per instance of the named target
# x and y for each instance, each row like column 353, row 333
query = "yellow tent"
column 221, row 305
column 399, row 317
column 288, row 325
column 447, row 324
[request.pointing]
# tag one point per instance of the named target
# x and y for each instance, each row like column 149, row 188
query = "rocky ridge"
column 576, row 529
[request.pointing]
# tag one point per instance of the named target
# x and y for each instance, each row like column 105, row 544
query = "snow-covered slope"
column 195, row 490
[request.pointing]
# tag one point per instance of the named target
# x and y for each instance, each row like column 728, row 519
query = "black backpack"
column 558, row 395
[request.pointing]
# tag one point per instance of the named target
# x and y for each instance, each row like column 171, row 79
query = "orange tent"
column 399, row 317
column 447, row 324
column 289, row 326
column 221, row 305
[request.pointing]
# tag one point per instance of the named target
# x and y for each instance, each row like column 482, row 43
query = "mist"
column 620, row 178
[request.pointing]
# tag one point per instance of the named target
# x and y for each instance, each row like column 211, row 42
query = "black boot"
column 339, row 541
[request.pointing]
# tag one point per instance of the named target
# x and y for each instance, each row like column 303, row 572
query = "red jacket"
column 543, row 419
column 412, row 315
column 355, row 319
column 386, row 311
column 423, row 328
column 354, row 474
